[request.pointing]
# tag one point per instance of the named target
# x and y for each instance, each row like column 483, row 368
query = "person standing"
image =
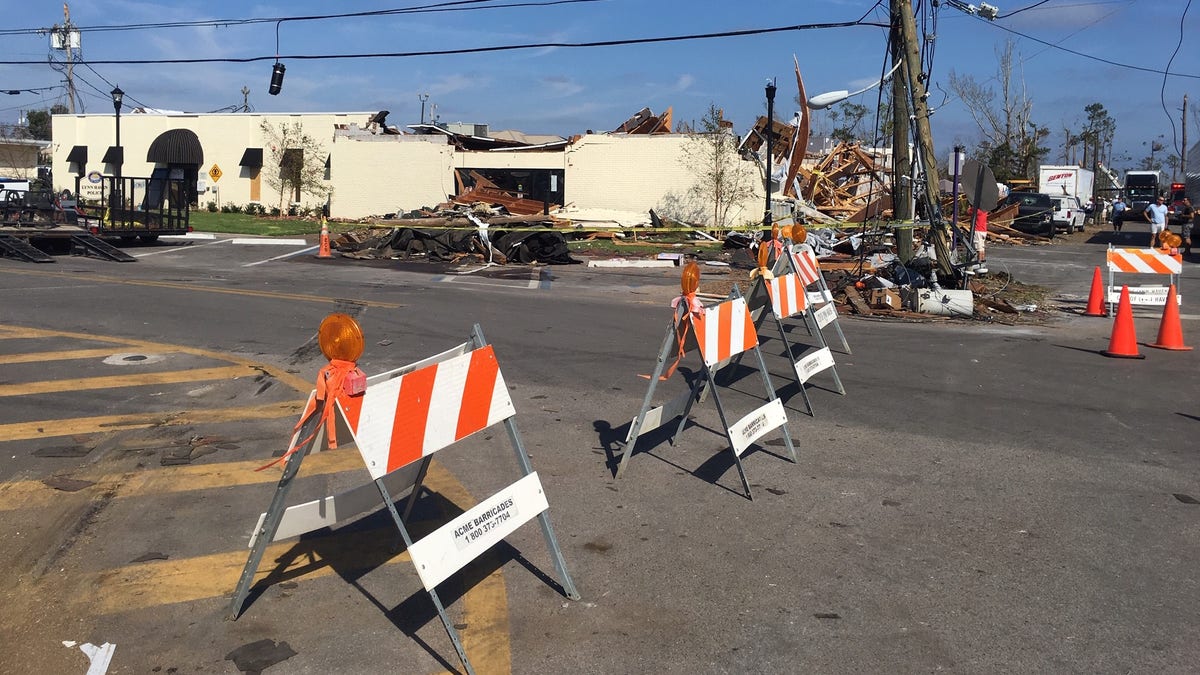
column 1156, row 215
column 1118, row 210
column 1190, row 221
column 980, row 218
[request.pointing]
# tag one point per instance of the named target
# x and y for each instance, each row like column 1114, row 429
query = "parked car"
column 1035, row 212
column 1068, row 214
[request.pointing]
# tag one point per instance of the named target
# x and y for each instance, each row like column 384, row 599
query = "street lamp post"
column 117, row 97
column 423, row 98
column 770, row 149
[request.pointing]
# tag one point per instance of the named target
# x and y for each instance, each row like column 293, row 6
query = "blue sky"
column 570, row 90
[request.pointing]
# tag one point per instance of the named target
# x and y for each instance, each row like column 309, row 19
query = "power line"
column 1118, row 64
column 1162, row 94
column 1023, row 9
column 480, row 50
column 453, row 6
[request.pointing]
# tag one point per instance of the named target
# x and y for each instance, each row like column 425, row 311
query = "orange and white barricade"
column 399, row 422
column 1142, row 261
column 719, row 332
column 784, row 297
column 802, row 261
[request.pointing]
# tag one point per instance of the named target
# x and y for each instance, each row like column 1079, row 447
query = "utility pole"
column 245, row 98
column 902, row 13
column 69, row 34
column 901, row 162
column 1183, row 153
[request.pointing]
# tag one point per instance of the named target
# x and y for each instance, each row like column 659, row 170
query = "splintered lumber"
column 857, row 302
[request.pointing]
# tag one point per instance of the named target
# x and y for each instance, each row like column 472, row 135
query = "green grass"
column 241, row 223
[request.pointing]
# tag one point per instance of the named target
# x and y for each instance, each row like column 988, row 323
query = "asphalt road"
column 984, row 498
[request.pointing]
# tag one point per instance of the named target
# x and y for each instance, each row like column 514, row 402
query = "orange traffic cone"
column 1123, row 343
column 1096, row 300
column 324, row 252
column 1170, row 332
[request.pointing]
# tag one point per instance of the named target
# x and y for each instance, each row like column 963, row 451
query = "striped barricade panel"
column 806, row 265
column 1142, row 261
column 724, row 331
column 787, row 295
column 403, row 419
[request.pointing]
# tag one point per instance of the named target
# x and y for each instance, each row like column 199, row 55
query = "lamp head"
column 117, row 97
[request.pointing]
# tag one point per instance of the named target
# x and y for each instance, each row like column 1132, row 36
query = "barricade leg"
column 762, row 368
column 275, row 512
column 737, row 460
column 560, row 565
column 437, row 602
column 635, row 427
column 695, row 393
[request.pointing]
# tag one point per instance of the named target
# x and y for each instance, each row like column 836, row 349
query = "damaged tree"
column 723, row 181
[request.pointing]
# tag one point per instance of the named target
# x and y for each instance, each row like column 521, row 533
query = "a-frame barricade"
column 800, row 259
column 784, row 297
column 403, row 418
column 719, row 333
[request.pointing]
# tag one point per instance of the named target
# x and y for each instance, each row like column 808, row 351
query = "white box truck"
column 1071, row 188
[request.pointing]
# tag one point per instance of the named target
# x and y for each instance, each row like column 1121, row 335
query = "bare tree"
column 1011, row 140
column 301, row 162
column 723, row 180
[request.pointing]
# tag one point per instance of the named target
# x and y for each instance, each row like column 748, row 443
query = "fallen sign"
column 402, row 418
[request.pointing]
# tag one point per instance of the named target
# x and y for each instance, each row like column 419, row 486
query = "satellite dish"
column 979, row 185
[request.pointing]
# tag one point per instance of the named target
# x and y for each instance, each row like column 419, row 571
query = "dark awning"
column 114, row 155
column 293, row 157
column 78, row 154
column 252, row 158
column 177, row 146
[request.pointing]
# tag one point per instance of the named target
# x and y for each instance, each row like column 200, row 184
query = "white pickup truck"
column 1068, row 213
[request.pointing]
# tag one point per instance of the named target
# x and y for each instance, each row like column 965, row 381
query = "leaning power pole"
column 902, row 15
column 901, row 161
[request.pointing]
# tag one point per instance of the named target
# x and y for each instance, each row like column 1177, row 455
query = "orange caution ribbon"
column 694, row 308
column 331, row 387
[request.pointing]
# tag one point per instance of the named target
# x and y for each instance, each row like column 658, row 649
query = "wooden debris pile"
column 848, row 183
column 485, row 191
column 646, row 122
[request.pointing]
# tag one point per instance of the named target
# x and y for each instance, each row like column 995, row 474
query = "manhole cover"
column 133, row 359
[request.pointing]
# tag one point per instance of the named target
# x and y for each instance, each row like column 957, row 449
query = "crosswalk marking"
column 20, row 431
column 66, row 355
column 33, row 494
column 132, row 380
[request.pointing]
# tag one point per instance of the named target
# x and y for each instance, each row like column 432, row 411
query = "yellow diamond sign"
column 215, row 173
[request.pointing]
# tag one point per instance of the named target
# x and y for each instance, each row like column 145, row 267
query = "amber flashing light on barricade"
column 340, row 338
column 799, row 233
column 689, row 282
column 786, row 231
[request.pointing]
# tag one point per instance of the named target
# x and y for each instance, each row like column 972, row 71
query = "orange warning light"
column 690, row 281
column 799, row 233
column 786, row 231
column 764, row 251
column 340, row 338
column 775, row 231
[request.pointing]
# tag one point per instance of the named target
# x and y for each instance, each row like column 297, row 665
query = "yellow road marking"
column 93, row 278
column 131, row 380
column 35, row 357
column 33, row 494
column 145, row 585
column 298, row 383
column 21, row 431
